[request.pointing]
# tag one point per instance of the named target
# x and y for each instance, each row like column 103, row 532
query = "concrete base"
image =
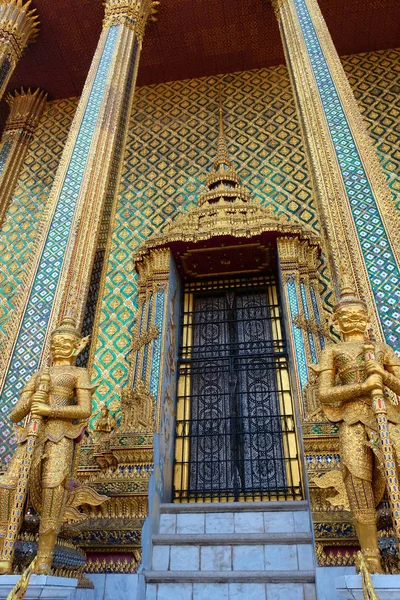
column 40, row 586
column 387, row 587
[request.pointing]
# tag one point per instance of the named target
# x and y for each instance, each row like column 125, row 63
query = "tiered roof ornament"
column 224, row 208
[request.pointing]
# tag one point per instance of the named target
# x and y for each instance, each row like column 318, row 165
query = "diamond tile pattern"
column 20, row 228
column 4, row 152
column 375, row 80
column 156, row 357
column 301, row 357
column 380, row 263
column 306, row 312
column 28, row 348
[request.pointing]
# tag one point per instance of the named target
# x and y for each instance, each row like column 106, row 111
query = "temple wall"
column 170, row 147
column 172, row 144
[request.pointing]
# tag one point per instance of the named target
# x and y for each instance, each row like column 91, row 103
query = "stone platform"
column 387, row 587
column 40, row 586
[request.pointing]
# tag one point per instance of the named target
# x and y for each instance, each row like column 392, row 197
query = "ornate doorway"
column 235, row 428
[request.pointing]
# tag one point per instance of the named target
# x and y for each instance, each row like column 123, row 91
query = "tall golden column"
column 83, row 188
column 357, row 210
column 19, row 26
column 26, row 109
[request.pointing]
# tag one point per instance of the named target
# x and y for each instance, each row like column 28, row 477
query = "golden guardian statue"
column 358, row 386
column 57, row 404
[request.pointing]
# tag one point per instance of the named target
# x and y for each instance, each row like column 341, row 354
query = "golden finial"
column 222, row 181
column 222, row 157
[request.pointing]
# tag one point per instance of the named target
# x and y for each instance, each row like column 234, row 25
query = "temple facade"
column 207, row 242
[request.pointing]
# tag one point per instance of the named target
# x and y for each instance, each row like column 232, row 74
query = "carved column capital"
column 26, row 109
column 131, row 13
column 18, row 26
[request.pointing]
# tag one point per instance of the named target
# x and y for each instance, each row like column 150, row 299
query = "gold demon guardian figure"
column 358, row 386
column 57, row 402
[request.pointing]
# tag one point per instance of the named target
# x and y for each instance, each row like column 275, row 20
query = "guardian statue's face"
column 63, row 345
column 352, row 318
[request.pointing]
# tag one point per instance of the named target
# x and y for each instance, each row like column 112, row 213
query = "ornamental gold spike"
column 222, row 157
column 26, row 109
column 16, row 18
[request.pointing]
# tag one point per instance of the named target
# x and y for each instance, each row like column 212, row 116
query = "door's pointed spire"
column 222, row 181
column 222, row 158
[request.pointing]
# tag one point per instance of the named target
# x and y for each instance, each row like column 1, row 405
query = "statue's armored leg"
column 362, row 502
column 53, row 503
column 357, row 460
column 6, row 500
column 8, row 484
column 57, row 465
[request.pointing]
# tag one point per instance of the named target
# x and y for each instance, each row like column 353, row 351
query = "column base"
column 40, row 586
column 387, row 587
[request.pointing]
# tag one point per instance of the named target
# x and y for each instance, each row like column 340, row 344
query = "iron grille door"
column 234, row 423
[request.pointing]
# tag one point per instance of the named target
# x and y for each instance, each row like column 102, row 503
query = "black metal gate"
column 234, row 423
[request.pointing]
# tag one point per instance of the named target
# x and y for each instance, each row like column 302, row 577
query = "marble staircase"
column 233, row 551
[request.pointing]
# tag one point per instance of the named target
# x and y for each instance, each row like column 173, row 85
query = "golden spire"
column 222, row 181
column 222, row 157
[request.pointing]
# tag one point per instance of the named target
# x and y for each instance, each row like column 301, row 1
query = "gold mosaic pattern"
column 20, row 229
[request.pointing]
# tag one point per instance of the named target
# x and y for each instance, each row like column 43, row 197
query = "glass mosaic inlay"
column 307, row 316
column 4, row 70
column 316, row 313
column 4, row 152
column 146, row 347
column 300, row 350
column 32, row 332
column 156, row 356
column 380, row 262
column 140, row 331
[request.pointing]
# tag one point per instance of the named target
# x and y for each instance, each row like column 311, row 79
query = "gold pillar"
column 18, row 28
column 84, row 187
column 356, row 207
column 26, row 109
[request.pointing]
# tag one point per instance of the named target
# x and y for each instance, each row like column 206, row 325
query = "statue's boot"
column 368, row 538
column 45, row 552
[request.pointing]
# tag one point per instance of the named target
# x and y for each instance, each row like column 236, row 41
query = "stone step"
column 230, row 591
column 241, row 539
column 236, row 557
column 202, row 507
column 231, row 521
column 229, row 577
